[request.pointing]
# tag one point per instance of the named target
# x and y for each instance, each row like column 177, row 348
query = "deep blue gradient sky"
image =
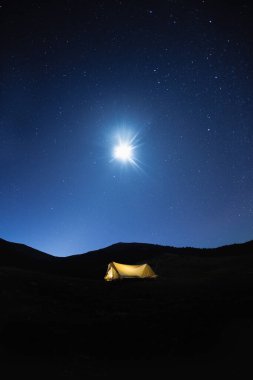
column 77, row 74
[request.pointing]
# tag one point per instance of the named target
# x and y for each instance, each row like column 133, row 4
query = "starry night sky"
column 76, row 75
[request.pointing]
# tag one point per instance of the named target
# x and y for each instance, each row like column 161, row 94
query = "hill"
column 59, row 316
column 15, row 252
column 160, row 257
column 93, row 264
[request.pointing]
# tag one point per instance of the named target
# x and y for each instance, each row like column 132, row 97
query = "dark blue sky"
column 75, row 75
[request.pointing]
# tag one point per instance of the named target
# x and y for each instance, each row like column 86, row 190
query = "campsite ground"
column 197, row 316
column 65, row 327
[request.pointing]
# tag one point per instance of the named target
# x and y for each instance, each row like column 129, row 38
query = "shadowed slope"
column 199, row 308
column 21, row 251
column 21, row 256
column 165, row 260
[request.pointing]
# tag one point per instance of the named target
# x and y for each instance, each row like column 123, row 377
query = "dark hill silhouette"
column 93, row 264
column 60, row 312
column 11, row 253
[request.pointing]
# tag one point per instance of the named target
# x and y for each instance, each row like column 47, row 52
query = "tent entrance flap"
column 117, row 271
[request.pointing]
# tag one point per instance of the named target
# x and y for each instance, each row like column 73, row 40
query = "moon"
column 125, row 149
column 123, row 152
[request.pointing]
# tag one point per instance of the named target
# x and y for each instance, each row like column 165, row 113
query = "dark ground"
column 195, row 318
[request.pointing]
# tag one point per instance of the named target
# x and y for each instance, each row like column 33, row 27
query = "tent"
column 116, row 271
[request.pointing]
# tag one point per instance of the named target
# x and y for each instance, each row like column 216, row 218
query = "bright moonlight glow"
column 123, row 152
column 125, row 149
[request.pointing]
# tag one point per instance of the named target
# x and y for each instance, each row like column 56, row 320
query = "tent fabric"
column 116, row 271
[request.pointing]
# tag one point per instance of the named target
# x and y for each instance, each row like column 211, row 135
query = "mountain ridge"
column 93, row 264
column 20, row 247
column 198, row 302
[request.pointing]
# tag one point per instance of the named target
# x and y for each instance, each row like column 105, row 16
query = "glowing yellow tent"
column 116, row 271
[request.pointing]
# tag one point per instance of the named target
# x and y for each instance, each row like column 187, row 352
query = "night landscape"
column 126, row 138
